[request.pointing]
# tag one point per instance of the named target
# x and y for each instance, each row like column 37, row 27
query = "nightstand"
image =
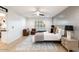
column 69, row 44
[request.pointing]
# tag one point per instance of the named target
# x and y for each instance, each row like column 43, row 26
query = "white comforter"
column 46, row 36
column 52, row 36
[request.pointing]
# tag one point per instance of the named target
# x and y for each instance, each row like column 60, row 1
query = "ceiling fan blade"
column 38, row 12
column 41, row 14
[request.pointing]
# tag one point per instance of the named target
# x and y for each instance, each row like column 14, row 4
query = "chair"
column 33, row 31
column 25, row 32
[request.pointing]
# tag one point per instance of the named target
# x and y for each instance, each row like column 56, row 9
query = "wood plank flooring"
column 25, row 44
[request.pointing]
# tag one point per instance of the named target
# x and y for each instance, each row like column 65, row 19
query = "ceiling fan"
column 37, row 12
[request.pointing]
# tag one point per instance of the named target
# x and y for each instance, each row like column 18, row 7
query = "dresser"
column 69, row 44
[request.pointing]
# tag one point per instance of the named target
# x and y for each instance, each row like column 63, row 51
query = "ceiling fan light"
column 37, row 13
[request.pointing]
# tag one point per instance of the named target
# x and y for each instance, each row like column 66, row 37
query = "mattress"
column 44, row 36
column 52, row 36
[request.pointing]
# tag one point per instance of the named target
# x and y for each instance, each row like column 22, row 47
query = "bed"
column 46, row 36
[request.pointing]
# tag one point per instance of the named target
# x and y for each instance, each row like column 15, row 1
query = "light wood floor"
column 25, row 44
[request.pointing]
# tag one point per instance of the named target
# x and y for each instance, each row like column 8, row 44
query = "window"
column 39, row 25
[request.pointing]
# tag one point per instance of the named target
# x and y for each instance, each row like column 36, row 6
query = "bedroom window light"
column 39, row 25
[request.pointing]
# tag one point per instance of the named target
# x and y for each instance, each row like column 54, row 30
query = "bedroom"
column 37, row 22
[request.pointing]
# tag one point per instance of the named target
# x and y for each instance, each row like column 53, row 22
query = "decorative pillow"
column 55, row 30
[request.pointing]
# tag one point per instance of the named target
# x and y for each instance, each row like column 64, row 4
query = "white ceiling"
column 28, row 11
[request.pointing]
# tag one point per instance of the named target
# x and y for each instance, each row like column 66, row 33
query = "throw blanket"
column 39, row 37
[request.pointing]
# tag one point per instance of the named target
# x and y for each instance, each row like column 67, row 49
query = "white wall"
column 15, row 24
column 71, row 15
column 30, row 22
column 60, row 21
